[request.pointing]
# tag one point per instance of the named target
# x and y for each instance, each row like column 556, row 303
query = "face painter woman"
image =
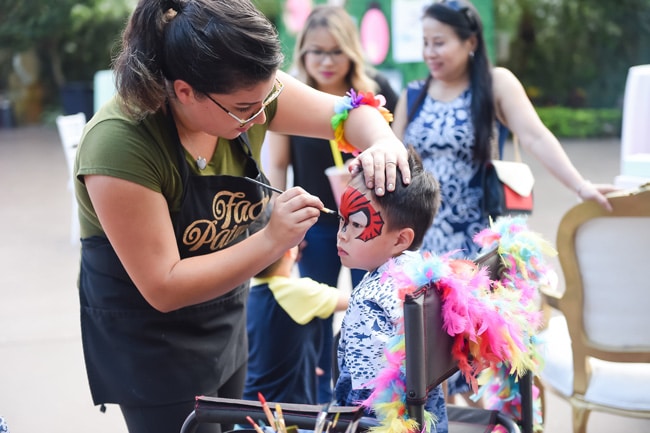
column 165, row 204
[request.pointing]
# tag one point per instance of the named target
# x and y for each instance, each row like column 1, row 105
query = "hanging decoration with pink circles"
column 375, row 35
column 295, row 14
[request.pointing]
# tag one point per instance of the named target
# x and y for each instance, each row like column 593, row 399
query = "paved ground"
column 43, row 385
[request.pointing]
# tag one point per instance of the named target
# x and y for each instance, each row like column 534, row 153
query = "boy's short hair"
column 413, row 205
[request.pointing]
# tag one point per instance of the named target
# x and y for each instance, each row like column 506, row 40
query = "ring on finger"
column 391, row 162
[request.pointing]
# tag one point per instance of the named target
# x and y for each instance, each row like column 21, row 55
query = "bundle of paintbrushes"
column 287, row 418
column 276, row 422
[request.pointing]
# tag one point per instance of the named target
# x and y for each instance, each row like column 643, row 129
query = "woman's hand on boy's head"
column 379, row 164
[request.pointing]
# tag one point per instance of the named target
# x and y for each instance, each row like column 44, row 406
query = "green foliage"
column 74, row 38
column 572, row 53
column 582, row 122
column 576, row 52
column 25, row 23
column 91, row 39
column 270, row 8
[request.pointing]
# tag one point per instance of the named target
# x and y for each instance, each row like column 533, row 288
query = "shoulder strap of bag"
column 411, row 95
column 515, row 148
column 502, row 133
column 416, row 93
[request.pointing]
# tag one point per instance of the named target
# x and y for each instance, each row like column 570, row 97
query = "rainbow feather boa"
column 493, row 323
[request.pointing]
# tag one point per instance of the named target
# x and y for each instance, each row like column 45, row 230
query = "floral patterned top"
column 443, row 135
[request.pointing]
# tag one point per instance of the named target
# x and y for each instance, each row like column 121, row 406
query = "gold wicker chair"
column 597, row 345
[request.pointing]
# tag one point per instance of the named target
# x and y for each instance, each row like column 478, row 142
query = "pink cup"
column 338, row 177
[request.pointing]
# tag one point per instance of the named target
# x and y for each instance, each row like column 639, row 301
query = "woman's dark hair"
column 463, row 17
column 216, row 46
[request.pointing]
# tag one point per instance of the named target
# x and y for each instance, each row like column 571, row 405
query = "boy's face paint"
column 359, row 217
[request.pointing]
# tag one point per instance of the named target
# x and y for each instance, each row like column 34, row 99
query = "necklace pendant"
column 201, row 163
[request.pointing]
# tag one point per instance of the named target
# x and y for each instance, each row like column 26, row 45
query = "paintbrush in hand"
column 279, row 191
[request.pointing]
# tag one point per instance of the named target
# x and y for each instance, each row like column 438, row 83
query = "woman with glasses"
column 162, row 181
column 451, row 118
column 327, row 56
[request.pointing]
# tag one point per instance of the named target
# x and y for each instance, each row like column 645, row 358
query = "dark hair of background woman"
column 465, row 21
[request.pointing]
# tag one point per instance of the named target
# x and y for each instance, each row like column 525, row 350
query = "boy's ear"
column 404, row 239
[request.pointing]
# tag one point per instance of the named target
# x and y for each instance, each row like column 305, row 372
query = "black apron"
column 136, row 355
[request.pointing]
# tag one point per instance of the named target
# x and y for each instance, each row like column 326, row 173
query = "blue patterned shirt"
column 369, row 322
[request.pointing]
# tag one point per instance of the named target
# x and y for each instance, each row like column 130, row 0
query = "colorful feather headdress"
column 493, row 323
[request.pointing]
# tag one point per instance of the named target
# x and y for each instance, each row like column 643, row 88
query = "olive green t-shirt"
column 145, row 152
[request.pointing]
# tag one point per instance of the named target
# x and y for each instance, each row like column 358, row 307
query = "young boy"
column 373, row 230
column 284, row 340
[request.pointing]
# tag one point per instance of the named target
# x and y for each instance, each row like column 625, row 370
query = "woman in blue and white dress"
column 451, row 119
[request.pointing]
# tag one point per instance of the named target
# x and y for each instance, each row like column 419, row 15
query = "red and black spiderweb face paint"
column 353, row 202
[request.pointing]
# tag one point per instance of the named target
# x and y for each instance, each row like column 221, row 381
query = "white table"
column 635, row 133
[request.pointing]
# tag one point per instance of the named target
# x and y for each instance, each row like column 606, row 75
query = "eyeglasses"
column 336, row 55
column 275, row 92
